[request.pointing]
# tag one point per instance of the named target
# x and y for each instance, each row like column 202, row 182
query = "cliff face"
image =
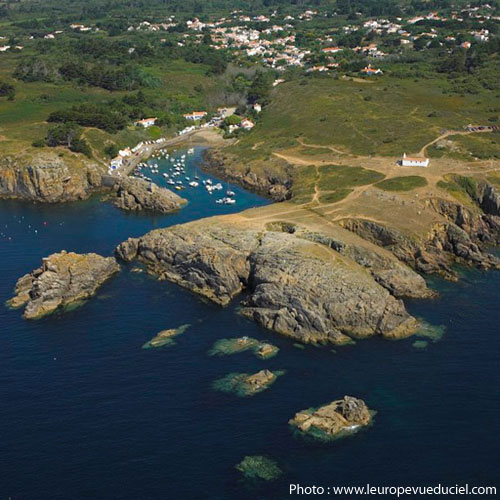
column 48, row 178
column 461, row 236
column 297, row 287
column 275, row 185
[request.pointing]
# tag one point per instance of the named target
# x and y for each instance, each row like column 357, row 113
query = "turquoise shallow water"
column 86, row 413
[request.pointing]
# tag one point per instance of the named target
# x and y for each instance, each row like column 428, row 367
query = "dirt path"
column 318, row 146
column 447, row 134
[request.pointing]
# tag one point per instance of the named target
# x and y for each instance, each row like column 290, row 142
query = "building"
column 409, row 161
column 332, row 50
column 195, row 115
column 116, row 162
column 247, row 124
column 368, row 70
column 257, row 107
column 147, row 122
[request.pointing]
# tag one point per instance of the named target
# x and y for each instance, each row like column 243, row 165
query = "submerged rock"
column 259, row 467
column 138, row 194
column 243, row 384
column 64, row 280
column 420, row 344
column 233, row 346
column 341, row 417
column 262, row 350
column 165, row 337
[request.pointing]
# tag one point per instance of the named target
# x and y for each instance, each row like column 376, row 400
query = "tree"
column 111, row 150
column 7, row 90
column 261, row 88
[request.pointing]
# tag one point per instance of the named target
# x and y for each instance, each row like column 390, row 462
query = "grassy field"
column 386, row 118
column 405, row 183
column 332, row 183
column 22, row 121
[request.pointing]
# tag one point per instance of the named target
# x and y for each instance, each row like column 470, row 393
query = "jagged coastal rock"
column 63, row 280
column 333, row 420
column 138, row 194
column 165, row 337
column 244, row 384
column 301, row 289
column 46, row 177
column 262, row 350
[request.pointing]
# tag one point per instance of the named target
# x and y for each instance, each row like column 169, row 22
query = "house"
column 247, row 124
column 195, row 115
column 124, row 152
column 147, row 122
column 368, row 70
column 408, row 161
column 465, row 45
column 4, row 48
column 257, row 107
column 116, row 162
column 332, row 50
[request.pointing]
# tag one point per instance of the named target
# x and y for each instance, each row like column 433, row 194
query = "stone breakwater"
column 298, row 288
column 63, row 280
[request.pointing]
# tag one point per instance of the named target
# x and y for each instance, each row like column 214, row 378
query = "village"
column 278, row 41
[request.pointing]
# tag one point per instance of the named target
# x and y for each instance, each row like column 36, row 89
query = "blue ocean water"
column 86, row 413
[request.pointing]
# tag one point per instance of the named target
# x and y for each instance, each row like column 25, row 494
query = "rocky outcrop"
column 64, row 279
column 212, row 262
column 46, row 177
column 445, row 244
column 244, row 384
column 303, row 292
column 387, row 270
column 296, row 287
column 334, row 419
column 275, row 185
column 138, row 194
column 489, row 198
column 165, row 337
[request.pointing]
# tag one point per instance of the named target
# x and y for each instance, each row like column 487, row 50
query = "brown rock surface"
column 63, row 279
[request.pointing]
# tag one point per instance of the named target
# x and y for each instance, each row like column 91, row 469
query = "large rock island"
column 64, row 279
column 297, row 287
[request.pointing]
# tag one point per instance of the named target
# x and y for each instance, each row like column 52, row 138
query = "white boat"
column 230, row 193
column 194, row 184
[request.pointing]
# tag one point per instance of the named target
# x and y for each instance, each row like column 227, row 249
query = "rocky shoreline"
column 277, row 188
column 313, row 282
